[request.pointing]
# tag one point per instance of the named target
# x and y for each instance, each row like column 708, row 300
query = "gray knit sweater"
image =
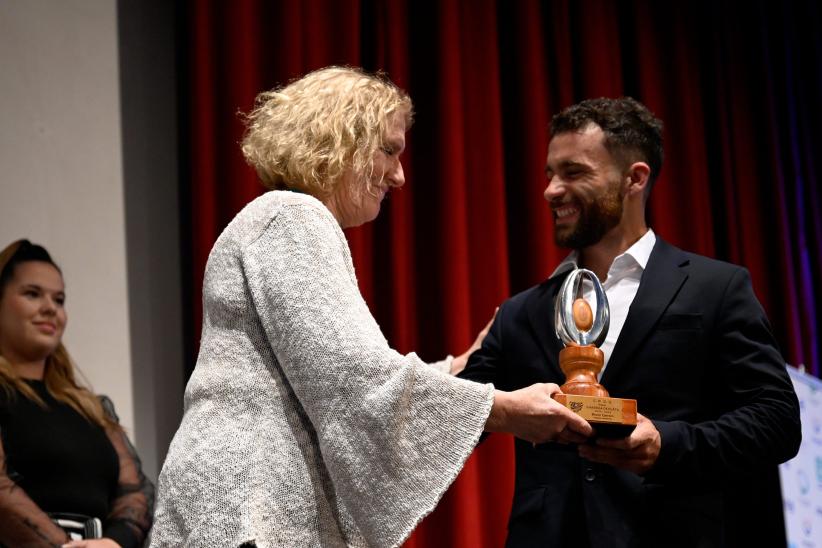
column 302, row 427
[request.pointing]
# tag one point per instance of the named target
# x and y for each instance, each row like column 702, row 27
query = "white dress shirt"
column 620, row 286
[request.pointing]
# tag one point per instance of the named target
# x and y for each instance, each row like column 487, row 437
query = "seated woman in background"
column 61, row 447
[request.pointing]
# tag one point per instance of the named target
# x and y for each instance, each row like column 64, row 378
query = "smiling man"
column 688, row 340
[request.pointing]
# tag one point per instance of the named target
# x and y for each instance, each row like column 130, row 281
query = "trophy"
column 581, row 359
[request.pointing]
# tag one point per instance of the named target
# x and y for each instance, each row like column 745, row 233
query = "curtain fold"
column 737, row 86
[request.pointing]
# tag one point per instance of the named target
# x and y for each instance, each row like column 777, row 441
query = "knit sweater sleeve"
column 393, row 431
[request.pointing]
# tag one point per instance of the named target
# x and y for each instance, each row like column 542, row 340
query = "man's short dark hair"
column 629, row 128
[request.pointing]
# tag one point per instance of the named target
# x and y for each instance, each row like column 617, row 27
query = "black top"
column 62, row 462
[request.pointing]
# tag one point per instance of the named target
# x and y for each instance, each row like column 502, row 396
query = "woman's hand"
column 92, row 543
column 533, row 415
column 459, row 363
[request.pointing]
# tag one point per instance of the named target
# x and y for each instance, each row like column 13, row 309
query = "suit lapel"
column 540, row 310
column 661, row 281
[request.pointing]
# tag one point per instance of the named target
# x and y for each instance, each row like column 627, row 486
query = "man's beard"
column 595, row 220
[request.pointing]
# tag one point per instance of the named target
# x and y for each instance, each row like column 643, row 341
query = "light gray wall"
column 93, row 178
column 149, row 122
column 62, row 176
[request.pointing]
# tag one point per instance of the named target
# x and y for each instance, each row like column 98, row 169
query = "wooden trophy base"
column 609, row 417
column 582, row 394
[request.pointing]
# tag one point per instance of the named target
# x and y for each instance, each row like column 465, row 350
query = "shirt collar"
column 640, row 252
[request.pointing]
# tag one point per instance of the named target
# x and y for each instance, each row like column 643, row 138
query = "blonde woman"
column 302, row 426
column 62, row 450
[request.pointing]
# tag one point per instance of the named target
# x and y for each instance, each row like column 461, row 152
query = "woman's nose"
column 397, row 175
column 48, row 306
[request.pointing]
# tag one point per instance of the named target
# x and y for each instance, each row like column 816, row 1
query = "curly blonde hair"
column 305, row 135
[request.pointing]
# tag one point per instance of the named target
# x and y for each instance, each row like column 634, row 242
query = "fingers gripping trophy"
column 582, row 332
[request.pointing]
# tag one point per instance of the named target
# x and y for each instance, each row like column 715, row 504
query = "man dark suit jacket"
column 697, row 354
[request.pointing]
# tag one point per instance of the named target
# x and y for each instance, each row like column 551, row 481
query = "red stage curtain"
column 737, row 86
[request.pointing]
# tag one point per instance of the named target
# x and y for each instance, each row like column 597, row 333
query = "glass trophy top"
column 574, row 321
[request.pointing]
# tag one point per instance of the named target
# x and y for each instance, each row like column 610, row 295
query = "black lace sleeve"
column 129, row 519
column 22, row 522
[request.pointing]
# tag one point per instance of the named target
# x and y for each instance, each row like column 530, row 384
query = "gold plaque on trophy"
column 581, row 360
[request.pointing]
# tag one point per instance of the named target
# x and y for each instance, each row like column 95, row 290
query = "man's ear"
column 637, row 178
